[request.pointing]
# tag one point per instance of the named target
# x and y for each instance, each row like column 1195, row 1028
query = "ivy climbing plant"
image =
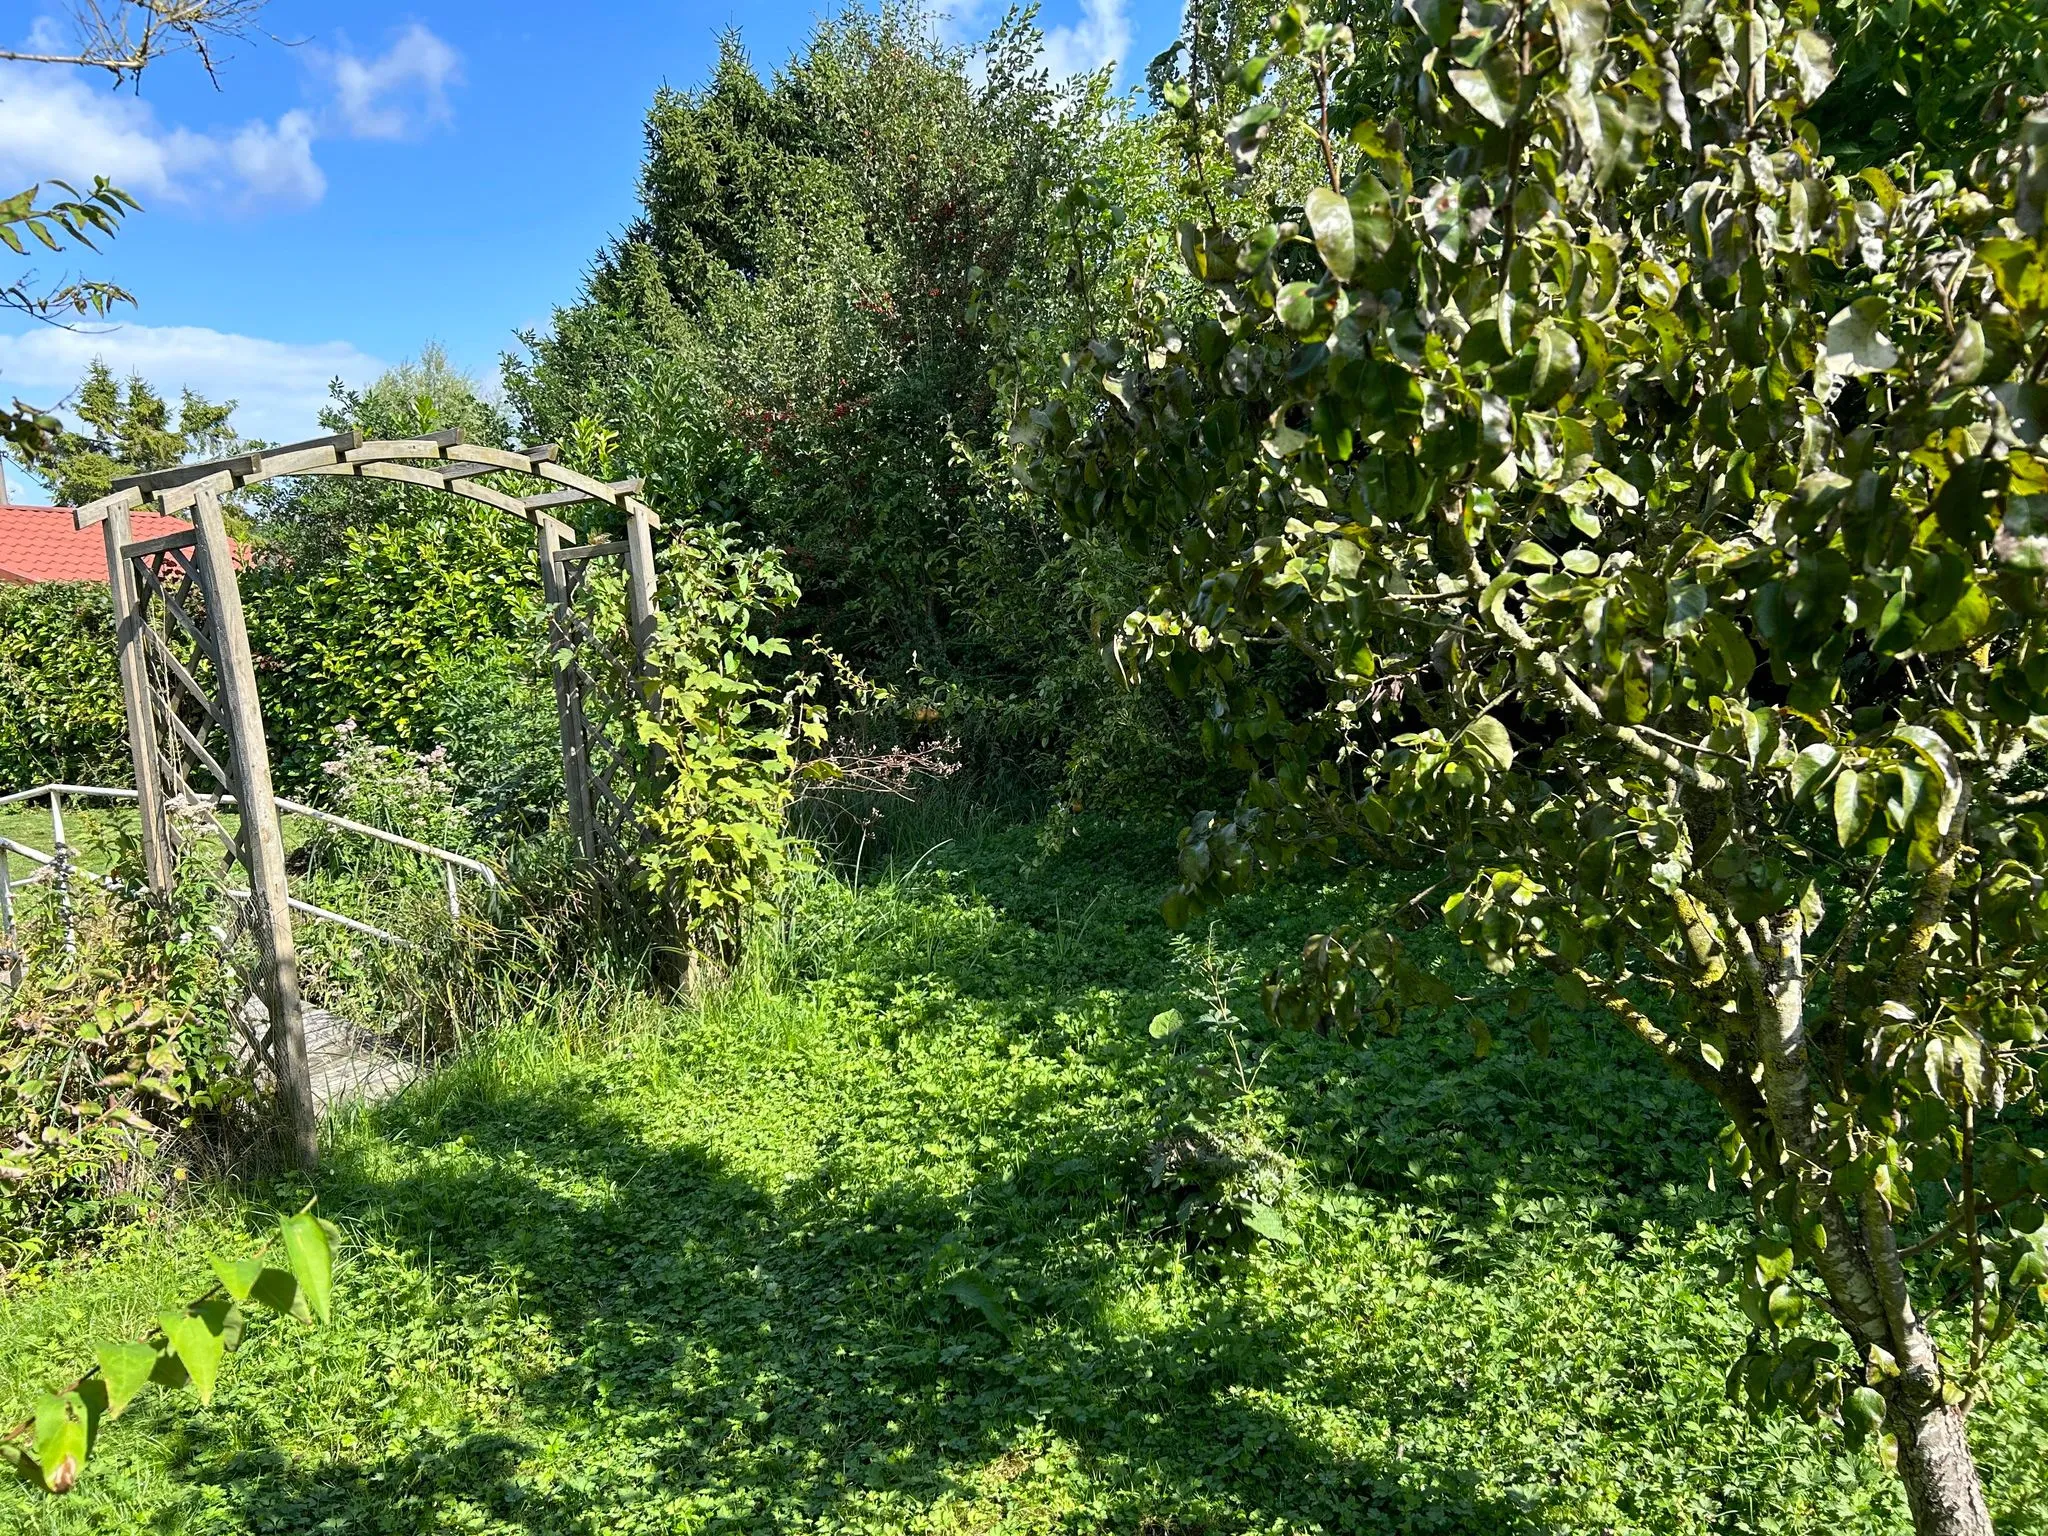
column 1657, row 514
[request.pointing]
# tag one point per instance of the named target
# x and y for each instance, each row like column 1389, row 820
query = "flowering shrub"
column 410, row 793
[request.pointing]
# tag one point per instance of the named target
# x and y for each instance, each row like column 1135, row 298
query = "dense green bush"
column 60, row 694
column 402, row 609
column 841, row 281
column 385, row 625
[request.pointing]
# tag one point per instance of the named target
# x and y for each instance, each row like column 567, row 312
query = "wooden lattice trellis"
column 188, row 678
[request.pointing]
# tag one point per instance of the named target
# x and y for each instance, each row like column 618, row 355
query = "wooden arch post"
column 180, row 591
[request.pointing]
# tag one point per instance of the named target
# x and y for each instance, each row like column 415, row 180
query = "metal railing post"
column 63, row 873
column 8, row 936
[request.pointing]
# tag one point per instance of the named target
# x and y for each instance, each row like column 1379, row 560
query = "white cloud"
column 59, row 124
column 279, row 157
column 62, row 123
column 396, row 95
column 280, row 385
column 1099, row 40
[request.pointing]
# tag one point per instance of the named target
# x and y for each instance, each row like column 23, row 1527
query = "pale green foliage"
column 191, row 1340
column 709, row 746
column 1657, row 513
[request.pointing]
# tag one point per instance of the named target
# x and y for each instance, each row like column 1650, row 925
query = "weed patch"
column 873, row 1242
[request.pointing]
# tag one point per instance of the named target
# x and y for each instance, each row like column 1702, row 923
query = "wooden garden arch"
column 179, row 592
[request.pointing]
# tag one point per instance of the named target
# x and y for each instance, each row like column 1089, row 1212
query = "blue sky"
column 385, row 176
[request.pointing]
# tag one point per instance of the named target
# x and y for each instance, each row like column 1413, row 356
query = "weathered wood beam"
column 180, row 497
column 130, row 634
column 568, row 693
column 433, row 446
column 411, row 474
column 590, row 551
column 262, row 841
column 555, row 499
column 612, row 492
column 138, row 550
column 254, row 464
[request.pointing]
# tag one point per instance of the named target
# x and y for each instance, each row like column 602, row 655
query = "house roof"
column 41, row 544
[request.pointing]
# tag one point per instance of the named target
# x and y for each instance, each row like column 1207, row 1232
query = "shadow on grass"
column 740, row 1359
column 733, row 1352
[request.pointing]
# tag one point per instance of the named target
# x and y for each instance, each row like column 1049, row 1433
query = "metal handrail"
column 446, row 855
column 58, row 865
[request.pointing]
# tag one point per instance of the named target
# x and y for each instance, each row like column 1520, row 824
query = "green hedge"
column 391, row 631
column 392, row 624
column 60, row 694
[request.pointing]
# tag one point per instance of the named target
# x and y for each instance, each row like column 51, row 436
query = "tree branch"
column 1932, row 906
column 1580, row 701
column 108, row 37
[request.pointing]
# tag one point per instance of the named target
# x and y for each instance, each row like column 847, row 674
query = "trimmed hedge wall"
column 60, row 692
column 398, row 630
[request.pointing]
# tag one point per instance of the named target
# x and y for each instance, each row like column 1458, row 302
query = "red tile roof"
column 40, row 544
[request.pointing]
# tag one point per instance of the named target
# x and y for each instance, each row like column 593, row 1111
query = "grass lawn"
column 91, row 829
column 94, row 830
column 872, row 1246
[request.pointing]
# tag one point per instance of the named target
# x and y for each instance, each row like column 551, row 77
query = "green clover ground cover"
column 873, row 1246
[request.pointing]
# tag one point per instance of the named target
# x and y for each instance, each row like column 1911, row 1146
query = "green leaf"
column 62, row 1435
column 280, row 1292
column 1167, row 1023
column 1965, row 361
column 1581, row 26
column 1329, row 217
column 125, row 1368
column 973, row 1290
column 1813, row 64
column 1852, row 807
column 1490, row 90
column 1557, row 364
column 1482, row 1036
column 1732, row 648
column 1810, row 769
column 1685, row 602
column 2026, row 407
column 1372, row 214
column 1785, row 1305
column 311, row 1253
column 1295, row 306
column 1970, row 617
column 1438, row 19
column 1856, row 339
column 1620, row 489
column 238, row 1275
column 1269, row 1224
column 1491, row 737
column 197, row 1335
column 1864, row 1408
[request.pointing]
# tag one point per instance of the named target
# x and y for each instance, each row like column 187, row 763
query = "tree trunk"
column 1866, row 1281
column 1939, row 1473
